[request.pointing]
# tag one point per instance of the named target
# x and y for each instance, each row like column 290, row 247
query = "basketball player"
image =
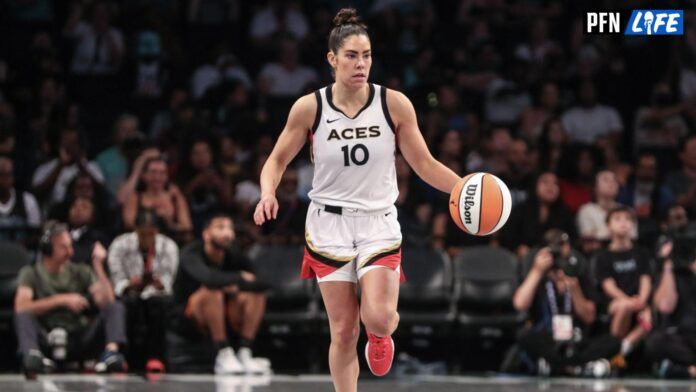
column 352, row 234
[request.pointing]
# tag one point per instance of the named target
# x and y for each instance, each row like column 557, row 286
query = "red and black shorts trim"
column 389, row 258
column 315, row 264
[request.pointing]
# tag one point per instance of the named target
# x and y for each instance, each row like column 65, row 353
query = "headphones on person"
column 50, row 230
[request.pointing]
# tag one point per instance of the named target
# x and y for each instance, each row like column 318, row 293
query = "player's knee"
column 381, row 322
column 345, row 335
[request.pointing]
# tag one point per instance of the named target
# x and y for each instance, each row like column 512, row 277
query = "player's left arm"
column 413, row 147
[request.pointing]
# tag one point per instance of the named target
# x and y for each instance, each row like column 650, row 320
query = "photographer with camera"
column 558, row 297
column 623, row 273
column 675, row 222
column 68, row 300
column 143, row 266
column 675, row 297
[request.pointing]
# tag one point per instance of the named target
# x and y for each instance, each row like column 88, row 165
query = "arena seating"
column 12, row 258
column 426, row 301
column 291, row 310
column 485, row 281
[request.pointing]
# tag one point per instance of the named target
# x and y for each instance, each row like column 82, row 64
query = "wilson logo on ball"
column 469, row 202
column 480, row 204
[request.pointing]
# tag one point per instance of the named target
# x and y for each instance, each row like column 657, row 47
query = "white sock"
column 626, row 347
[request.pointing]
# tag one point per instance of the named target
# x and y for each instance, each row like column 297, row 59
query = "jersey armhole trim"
column 385, row 109
column 317, row 117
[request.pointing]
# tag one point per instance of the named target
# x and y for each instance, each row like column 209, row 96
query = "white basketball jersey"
column 354, row 157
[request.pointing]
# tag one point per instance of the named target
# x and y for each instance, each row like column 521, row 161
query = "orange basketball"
column 480, row 203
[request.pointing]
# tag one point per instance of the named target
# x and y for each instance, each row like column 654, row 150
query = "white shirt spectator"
column 31, row 208
column 92, row 54
column 585, row 125
column 64, row 177
column 264, row 24
column 126, row 261
column 285, row 82
column 591, row 222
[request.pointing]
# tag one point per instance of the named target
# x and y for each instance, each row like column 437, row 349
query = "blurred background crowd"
column 107, row 107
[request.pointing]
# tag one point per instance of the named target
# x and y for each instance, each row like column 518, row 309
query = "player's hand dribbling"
column 267, row 209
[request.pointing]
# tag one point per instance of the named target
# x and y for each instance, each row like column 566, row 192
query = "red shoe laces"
column 378, row 347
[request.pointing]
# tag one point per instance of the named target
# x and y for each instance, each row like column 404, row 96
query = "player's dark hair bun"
column 348, row 16
column 346, row 23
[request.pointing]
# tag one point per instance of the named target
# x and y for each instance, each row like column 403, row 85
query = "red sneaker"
column 154, row 365
column 379, row 353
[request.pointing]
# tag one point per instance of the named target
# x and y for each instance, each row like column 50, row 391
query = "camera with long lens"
column 58, row 341
column 683, row 250
column 570, row 265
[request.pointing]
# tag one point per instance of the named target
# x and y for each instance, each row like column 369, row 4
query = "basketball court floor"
column 209, row 383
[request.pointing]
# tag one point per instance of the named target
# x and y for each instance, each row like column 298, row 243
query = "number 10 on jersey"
column 353, row 156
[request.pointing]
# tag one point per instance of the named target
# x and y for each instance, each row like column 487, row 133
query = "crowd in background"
column 109, row 108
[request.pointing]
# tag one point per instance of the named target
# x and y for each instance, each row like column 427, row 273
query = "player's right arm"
column 290, row 141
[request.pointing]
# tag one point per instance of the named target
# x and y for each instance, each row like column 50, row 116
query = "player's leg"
column 380, row 294
column 379, row 273
column 344, row 323
column 330, row 257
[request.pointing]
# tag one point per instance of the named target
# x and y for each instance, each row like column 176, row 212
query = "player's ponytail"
column 347, row 22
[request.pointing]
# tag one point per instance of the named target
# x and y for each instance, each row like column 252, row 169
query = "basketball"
column 480, row 204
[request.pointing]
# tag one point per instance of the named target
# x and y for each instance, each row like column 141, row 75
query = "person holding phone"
column 143, row 265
